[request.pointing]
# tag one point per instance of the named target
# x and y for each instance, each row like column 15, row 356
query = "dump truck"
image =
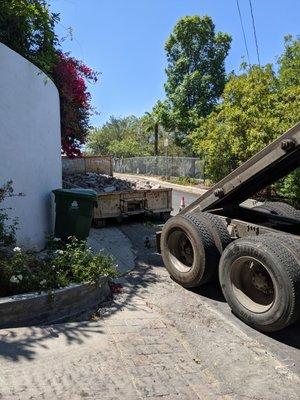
column 254, row 252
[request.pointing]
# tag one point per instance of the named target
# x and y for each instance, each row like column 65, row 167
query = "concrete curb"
column 181, row 188
column 34, row 309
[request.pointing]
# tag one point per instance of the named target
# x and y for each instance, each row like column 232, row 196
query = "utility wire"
column 243, row 30
column 254, row 31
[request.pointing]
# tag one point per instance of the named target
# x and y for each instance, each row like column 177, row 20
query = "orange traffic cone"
column 182, row 204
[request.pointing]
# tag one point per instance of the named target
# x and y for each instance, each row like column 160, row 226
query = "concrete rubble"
column 105, row 183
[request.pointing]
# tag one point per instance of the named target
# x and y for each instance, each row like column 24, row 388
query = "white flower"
column 43, row 282
column 59, row 252
column 53, row 266
column 56, row 239
column 20, row 277
column 17, row 249
column 14, row 279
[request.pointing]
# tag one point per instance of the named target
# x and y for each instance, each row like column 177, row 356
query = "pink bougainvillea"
column 71, row 77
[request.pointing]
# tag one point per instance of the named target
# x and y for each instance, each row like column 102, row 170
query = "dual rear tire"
column 191, row 247
column 260, row 280
column 259, row 276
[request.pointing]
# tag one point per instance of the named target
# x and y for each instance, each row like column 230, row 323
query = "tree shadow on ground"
column 17, row 344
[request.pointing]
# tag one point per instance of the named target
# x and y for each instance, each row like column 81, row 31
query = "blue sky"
column 124, row 40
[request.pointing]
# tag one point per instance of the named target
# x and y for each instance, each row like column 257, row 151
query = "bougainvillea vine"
column 70, row 76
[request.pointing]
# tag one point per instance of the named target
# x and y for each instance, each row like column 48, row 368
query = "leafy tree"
column 241, row 125
column 289, row 81
column 131, row 137
column 128, row 147
column 160, row 125
column 257, row 106
column 196, row 70
column 289, row 63
column 27, row 26
column 151, row 124
column 120, row 137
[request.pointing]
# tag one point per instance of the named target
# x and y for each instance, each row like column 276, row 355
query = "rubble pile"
column 105, row 183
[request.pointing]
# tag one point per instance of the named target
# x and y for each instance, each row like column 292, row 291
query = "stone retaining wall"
column 35, row 309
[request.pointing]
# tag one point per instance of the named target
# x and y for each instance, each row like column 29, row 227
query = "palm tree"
column 152, row 125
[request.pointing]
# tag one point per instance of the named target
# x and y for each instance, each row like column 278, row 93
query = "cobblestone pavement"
column 155, row 340
column 129, row 352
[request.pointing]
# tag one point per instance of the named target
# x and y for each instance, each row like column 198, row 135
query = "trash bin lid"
column 76, row 193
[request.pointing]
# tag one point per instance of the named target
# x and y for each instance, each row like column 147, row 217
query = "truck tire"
column 279, row 208
column 188, row 250
column 221, row 229
column 217, row 228
column 290, row 242
column 260, row 279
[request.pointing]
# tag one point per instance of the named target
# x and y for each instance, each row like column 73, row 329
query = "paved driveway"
column 155, row 340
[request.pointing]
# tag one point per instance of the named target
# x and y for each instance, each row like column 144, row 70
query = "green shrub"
column 182, row 180
column 63, row 264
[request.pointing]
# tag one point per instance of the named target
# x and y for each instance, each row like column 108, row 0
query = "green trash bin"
column 74, row 212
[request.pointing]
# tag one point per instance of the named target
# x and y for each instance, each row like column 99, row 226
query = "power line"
column 254, row 31
column 243, row 30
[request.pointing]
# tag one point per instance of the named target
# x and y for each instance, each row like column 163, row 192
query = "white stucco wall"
column 29, row 144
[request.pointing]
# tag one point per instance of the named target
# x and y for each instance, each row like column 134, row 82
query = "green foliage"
column 290, row 187
column 24, row 272
column 289, row 63
column 289, row 82
column 27, row 26
column 132, row 137
column 79, row 263
column 237, row 128
column 128, row 147
column 257, row 107
column 161, row 115
column 8, row 226
column 120, row 137
column 196, row 70
column 183, row 180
